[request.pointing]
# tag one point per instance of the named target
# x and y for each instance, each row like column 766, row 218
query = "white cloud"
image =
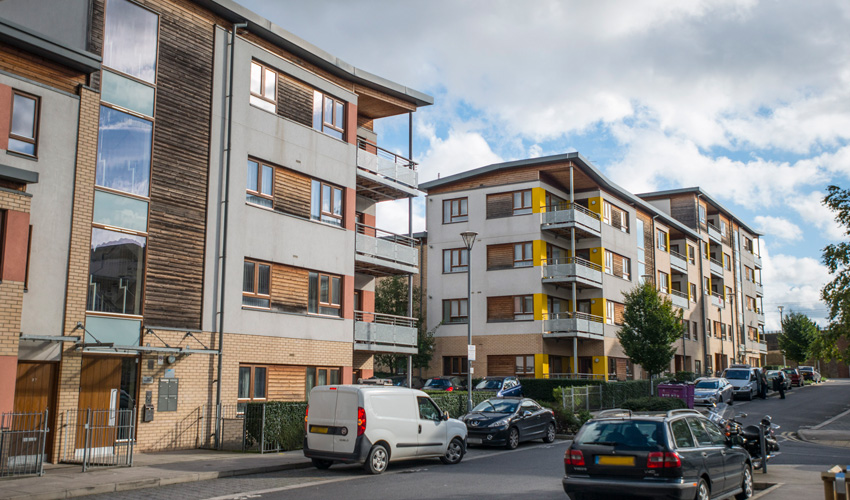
column 795, row 283
column 778, row 227
column 459, row 152
column 392, row 216
column 815, row 213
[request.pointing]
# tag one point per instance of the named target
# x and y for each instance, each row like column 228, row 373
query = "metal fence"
column 22, row 440
column 254, row 428
column 98, row 438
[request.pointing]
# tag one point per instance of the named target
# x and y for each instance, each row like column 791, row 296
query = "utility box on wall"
column 167, row 398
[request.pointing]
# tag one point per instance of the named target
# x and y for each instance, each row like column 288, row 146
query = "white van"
column 374, row 425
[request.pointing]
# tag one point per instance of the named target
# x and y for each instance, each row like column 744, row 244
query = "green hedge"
column 455, row 402
column 284, row 424
column 566, row 421
column 540, row 389
column 653, row 403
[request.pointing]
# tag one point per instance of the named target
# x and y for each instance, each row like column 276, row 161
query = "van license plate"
column 318, row 430
column 612, row 460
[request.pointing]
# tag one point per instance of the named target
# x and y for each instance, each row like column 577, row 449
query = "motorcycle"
column 748, row 437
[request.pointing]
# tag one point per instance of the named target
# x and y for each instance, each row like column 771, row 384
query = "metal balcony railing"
column 559, row 216
column 385, row 248
column 571, row 268
column 565, row 205
column 384, row 333
column 385, row 163
column 713, row 232
column 576, row 324
column 679, row 299
column 384, row 319
column 717, row 300
column 678, row 261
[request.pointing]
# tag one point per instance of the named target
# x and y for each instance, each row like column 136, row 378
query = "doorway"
column 35, row 391
column 108, row 387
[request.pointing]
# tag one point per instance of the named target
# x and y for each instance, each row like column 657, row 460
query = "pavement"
column 834, row 431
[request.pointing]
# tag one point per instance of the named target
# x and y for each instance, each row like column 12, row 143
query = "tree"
column 797, row 337
column 836, row 293
column 391, row 298
column 650, row 327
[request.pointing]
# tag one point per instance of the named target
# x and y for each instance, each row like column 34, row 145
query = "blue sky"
column 748, row 99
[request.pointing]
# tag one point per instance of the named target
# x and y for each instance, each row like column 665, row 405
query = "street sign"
column 470, row 352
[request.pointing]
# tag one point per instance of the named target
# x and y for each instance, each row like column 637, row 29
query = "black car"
column 508, row 421
column 503, row 386
column 401, row 381
column 445, row 384
column 679, row 455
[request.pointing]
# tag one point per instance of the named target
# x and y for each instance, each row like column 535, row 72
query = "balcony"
column 562, row 217
column 384, row 333
column 717, row 300
column 759, row 289
column 573, row 325
column 761, row 347
column 381, row 253
column 680, row 299
column 383, row 175
column 678, row 262
column 716, row 267
column 714, row 232
column 583, row 273
column 757, row 260
column 760, row 316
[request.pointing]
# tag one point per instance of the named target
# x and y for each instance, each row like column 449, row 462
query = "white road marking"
column 833, row 419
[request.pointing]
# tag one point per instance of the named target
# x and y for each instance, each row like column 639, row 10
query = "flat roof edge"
column 31, row 41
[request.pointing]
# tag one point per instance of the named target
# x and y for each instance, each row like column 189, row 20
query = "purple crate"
column 684, row 392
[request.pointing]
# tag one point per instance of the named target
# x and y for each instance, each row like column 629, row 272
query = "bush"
column 566, row 421
column 455, row 402
column 653, row 403
column 540, row 389
column 684, row 377
column 284, row 424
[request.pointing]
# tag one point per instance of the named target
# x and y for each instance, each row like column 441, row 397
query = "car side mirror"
column 526, row 413
column 445, row 415
column 741, row 415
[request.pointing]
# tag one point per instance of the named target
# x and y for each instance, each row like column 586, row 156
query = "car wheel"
column 750, row 396
column 550, row 433
column 377, row 460
column 746, row 484
column 702, row 491
column 513, row 439
column 454, row 452
column 322, row 464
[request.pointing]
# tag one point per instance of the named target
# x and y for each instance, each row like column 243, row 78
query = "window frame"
column 452, row 267
column 522, row 209
column 255, row 294
column 610, row 312
column 335, row 220
column 527, row 368
column 462, row 361
column 693, row 290
column 692, row 254
column 462, row 216
column 251, row 387
column 663, row 283
column 323, row 123
column 526, row 260
column 318, row 292
column 449, row 319
column 661, row 240
column 263, row 97
column 36, row 124
column 523, row 301
column 258, row 193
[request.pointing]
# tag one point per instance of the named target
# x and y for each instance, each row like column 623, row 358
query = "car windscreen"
column 497, row 406
column 437, row 382
column 707, row 385
column 632, row 434
column 489, row 385
column 737, row 374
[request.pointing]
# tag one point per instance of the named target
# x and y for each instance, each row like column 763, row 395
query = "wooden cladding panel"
column 648, row 243
column 500, row 205
column 619, row 311
column 294, row 100
column 33, row 67
column 98, row 17
column 683, row 208
column 500, row 256
column 289, row 289
column 501, row 365
column 179, row 170
column 287, row 383
column 498, row 178
column 500, row 308
column 292, row 193
column 619, row 265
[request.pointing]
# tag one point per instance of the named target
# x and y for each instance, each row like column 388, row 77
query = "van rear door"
column 347, row 404
column 320, row 420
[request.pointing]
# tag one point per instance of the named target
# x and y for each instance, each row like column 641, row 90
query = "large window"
column 522, row 255
column 116, row 272
column 522, row 202
column 641, row 250
column 523, row 307
column 253, row 382
column 23, row 134
column 455, row 311
column 324, row 294
column 693, row 291
column 617, row 265
column 455, row 210
column 124, row 152
column 131, row 34
column 454, row 365
column 662, row 282
column 455, row 260
column 661, row 240
column 263, row 87
column 326, row 203
column 524, row 365
column 260, row 182
column 615, row 216
column 256, row 283
column 328, row 115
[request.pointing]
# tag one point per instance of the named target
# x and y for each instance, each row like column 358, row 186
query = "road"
column 534, row 469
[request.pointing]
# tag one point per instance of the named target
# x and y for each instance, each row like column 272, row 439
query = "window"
column 455, row 260
column 706, row 285
column 522, row 255
column 729, row 295
column 661, row 240
column 748, row 244
column 722, row 227
column 131, row 32
column 523, row 307
column 326, row 203
column 641, row 251
column 609, row 315
column 324, row 294
column 256, row 281
column 727, row 261
column 693, row 287
column 749, row 274
column 328, row 115
column 263, row 87
column 702, row 214
column 428, row 410
column 751, row 304
column 124, row 152
column 697, row 366
column 606, row 213
column 692, row 254
column 455, row 311
column 23, row 133
column 318, row 376
column 555, row 255
column 694, row 333
column 522, row 202
column 618, row 265
column 2, row 238
column 116, row 272
column 260, row 182
column 702, row 437
column 615, row 217
column 455, row 211
column 682, row 434
column 253, row 382
column 525, row 365
column 454, row 365
column 609, row 262
column 662, row 282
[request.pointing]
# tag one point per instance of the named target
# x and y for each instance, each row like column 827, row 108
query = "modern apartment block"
column 187, row 204
column 558, row 244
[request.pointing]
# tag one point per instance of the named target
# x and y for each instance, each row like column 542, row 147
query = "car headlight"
column 500, row 423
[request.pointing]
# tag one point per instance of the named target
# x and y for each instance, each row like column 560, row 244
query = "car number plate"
column 612, row 460
column 474, row 440
column 318, row 430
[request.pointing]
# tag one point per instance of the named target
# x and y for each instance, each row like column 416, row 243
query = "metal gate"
column 99, row 438
column 22, row 440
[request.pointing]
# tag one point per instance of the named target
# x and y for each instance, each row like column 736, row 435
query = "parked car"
column 794, row 374
column 376, row 425
column 772, row 374
column 374, row 381
column 401, row 381
column 744, row 379
column 711, row 390
column 445, row 384
column 509, row 421
column 678, row 454
column 502, row 386
column 809, row 373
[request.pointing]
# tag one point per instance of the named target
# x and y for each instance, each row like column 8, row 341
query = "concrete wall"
column 64, row 21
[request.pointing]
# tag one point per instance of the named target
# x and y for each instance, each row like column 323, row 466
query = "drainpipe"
column 573, row 250
column 236, row 27
column 410, row 235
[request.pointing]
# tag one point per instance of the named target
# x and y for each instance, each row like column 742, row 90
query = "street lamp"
column 468, row 241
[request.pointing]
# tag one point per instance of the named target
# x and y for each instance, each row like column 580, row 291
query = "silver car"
column 710, row 390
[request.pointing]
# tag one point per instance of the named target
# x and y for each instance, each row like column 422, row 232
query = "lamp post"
column 468, row 241
column 782, row 330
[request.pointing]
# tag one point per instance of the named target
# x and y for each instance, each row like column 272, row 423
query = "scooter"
column 749, row 437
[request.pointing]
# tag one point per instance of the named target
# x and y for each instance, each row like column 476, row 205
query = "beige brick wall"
column 11, row 292
column 485, row 345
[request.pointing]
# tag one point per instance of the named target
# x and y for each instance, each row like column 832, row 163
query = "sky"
column 749, row 100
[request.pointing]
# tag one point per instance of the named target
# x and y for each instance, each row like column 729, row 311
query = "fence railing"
column 565, row 205
column 384, row 319
column 98, row 438
column 677, row 293
column 22, row 440
column 604, row 396
column 573, row 260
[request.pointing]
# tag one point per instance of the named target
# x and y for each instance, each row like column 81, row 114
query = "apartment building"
column 558, row 243
column 189, row 214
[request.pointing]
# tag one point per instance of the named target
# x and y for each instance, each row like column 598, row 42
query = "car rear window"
column 437, row 382
column 489, row 384
column 707, row 385
column 632, row 434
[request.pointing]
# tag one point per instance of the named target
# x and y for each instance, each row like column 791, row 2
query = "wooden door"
column 585, row 365
column 35, row 392
column 501, row 365
column 99, row 376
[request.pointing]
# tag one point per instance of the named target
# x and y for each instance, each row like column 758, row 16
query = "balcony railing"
column 679, row 299
column 716, row 266
column 386, row 165
column 384, row 252
column 572, row 269
column 565, row 215
column 713, row 232
column 717, row 300
column 757, row 260
column 574, row 324
column 377, row 332
column 678, row 261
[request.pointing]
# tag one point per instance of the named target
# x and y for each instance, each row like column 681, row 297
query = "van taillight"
column 361, row 421
column 574, row 457
column 306, row 414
